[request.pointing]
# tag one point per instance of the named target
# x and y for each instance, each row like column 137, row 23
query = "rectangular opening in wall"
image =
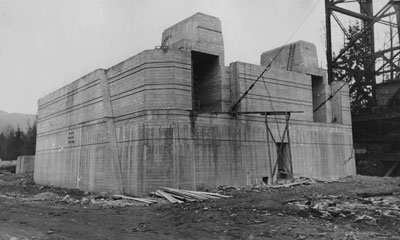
column 283, row 161
column 206, row 82
column 318, row 97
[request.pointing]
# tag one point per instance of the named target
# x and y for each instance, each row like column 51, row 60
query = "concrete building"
column 25, row 164
column 162, row 118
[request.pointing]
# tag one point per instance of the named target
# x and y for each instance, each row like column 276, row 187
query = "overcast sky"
column 46, row 44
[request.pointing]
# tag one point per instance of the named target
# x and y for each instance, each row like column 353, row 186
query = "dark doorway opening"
column 318, row 97
column 206, row 82
column 284, row 171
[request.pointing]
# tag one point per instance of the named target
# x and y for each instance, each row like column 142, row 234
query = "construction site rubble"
column 352, row 208
column 360, row 209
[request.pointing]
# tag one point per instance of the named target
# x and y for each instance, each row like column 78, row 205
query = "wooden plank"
column 183, row 198
column 136, row 199
column 290, row 184
column 170, row 198
column 375, row 194
column 183, row 192
column 318, row 179
column 210, row 193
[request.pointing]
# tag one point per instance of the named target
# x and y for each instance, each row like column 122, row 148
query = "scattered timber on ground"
column 317, row 179
column 167, row 196
column 174, row 195
column 291, row 184
column 143, row 200
column 374, row 194
column 325, row 180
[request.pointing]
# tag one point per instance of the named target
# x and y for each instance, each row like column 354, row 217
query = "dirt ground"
column 313, row 211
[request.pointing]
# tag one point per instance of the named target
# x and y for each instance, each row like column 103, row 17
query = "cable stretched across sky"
column 233, row 108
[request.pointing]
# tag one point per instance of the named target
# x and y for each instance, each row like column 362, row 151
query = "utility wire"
column 233, row 108
column 348, row 81
column 272, row 107
column 281, row 137
column 269, row 66
column 330, row 96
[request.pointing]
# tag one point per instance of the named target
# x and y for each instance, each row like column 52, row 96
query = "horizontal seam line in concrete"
column 145, row 85
column 73, row 92
column 111, row 79
column 255, row 119
column 75, row 106
column 152, row 139
column 70, row 127
column 70, row 109
column 146, row 68
column 321, row 143
column 73, row 127
column 276, row 83
column 209, row 29
column 278, row 80
column 143, row 63
column 69, row 147
column 282, row 98
column 298, row 102
column 209, row 141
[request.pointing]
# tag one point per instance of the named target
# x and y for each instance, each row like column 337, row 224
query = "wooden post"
column 328, row 12
column 270, row 179
column 287, row 115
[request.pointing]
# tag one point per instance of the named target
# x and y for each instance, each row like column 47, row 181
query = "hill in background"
column 15, row 120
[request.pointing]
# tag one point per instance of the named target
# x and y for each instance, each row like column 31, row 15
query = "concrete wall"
column 202, row 33
column 132, row 128
column 75, row 146
column 385, row 91
column 8, row 162
column 299, row 56
column 25, row 164
column 341, row 112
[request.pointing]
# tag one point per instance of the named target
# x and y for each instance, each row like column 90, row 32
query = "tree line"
column 16, row 142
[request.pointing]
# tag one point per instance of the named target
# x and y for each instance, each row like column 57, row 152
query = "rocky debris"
column 46, row 196
column 282, row 183
column 116, row 197
column 102, row 195
column 85, row 201
column 66, row 198
column 108, row 200
column 365, row 210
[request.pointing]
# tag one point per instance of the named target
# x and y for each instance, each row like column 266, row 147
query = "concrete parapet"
column 300, row 56
column 341, row 112
column 25, row 164
column 200, row 32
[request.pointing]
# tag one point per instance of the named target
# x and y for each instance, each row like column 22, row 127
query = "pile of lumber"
column 174, row 195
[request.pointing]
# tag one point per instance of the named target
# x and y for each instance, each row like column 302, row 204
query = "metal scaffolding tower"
column 379, row 65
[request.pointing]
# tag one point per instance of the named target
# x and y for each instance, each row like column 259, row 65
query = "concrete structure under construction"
column 25, row 164
column 164, row 118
